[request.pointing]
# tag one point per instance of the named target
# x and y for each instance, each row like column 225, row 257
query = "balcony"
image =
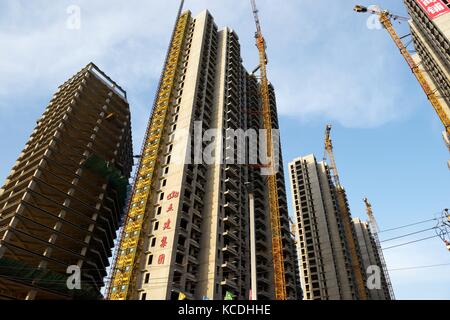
column 230, row 249
column 229, row 220
column 231, row 194
column 183, row 232
column 195, row 227
column 232, row 182
column 260, row 219
column 230, row 171
column 227, row 233
column 229, row 282
column 230, row 266
column 261, row 245
column 181, row 248
column 197, row 213
column 231, row 207
column 193, row 259
column 190, row 276
column 265, row 279
column 264, row 255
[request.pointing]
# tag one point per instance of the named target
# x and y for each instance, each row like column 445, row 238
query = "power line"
column 408, row 225
column 421, row 267
column 406, row 243
column 409, row 234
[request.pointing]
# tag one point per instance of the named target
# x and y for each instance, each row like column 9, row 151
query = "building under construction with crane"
column 324, row 260
column 372, row 254
column 186, row 235
column 430, row 31
column 334, row 250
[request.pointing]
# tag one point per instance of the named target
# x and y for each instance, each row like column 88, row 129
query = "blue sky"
column 327, row 67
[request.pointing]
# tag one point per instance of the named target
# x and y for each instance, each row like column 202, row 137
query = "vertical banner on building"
column 434, row 8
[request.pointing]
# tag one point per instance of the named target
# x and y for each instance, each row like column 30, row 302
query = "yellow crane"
column 277, row 244
column 345, row 218
column 385, row 18
column 374, row 229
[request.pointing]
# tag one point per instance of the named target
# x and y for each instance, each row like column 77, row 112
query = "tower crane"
column 344, row 212
column 385, row 18
column 373, row 225
column 277, row 244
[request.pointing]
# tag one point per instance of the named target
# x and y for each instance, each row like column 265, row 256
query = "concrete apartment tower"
column 61, row 205
column 324, row 258
column 371, row 256
column 195, row 237
column 430, row 29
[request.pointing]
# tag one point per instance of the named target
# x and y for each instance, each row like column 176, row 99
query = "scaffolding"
column 126, row 262
column 373, row 225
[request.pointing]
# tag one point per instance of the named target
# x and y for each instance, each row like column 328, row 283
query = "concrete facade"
column 324, row 261
column 371, row 256
column 61, row 205
column 196, row 238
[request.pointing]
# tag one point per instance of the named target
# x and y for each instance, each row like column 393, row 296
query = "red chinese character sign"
column 166, row 225
column 434, row 8
column 164, row 242
column 173, row 195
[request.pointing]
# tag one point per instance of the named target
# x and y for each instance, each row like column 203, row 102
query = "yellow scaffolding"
column 131, row 241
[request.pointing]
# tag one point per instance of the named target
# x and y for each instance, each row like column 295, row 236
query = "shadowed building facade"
column 63, row 200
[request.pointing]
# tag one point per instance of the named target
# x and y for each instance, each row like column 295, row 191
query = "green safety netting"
column 111, row 173
column 18, row 271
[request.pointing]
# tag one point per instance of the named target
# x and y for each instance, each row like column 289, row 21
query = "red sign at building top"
column 434, row 8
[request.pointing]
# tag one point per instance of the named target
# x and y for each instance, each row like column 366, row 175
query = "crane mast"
column 346, row 219
column 385, row 19
column 277, row 244
column 329, row 151
column 374, row 229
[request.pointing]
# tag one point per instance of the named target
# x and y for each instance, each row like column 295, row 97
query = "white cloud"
column 322, row 68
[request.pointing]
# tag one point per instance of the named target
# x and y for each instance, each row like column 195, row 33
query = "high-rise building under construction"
column 372, row 260
column 325, row 262
column 63, row 200
column 187, row 233
column 430, row 30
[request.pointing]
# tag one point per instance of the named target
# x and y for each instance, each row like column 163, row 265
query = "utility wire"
column 409, row 225
column 406, row 243
column 409, row 234
column 420, row 267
